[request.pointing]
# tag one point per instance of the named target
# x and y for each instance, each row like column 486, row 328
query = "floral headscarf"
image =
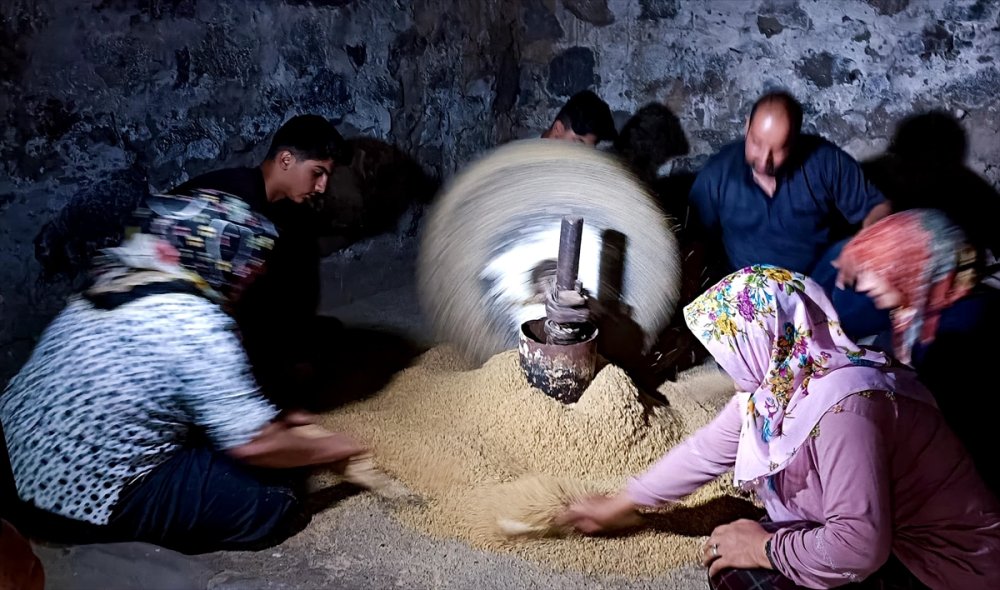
column 925, row 257
column 777, row 335
column 208, row 242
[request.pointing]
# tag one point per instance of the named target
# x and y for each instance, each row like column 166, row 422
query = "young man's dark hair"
column 791, row 106
column 584, row 118
column 309, row 137
column 308, row 145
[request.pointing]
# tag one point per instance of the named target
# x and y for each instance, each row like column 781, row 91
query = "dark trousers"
column 891, row 576
column 197, row 501
column 201, row 500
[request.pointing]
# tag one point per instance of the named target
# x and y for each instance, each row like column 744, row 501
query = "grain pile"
column 489, row 454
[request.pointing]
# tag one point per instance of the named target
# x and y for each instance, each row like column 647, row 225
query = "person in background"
column 136, row 417
column 585, row 118
column 277, row 316
column 862, row 480
column 945, row 315
column 785, row 198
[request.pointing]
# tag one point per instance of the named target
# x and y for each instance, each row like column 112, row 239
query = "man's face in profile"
column 563, row 132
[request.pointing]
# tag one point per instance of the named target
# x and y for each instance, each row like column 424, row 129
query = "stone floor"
column 372, row 550
column 368, row 288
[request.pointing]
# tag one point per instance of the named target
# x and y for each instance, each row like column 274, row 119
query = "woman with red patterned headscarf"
column 945, row 317
column 917, row 264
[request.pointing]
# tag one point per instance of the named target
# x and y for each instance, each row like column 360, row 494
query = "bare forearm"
column 878, row 212
column 283, row 446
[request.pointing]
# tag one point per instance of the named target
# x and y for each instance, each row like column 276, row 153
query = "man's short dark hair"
column 309, row 137
column 791, row 106
column 586, row 113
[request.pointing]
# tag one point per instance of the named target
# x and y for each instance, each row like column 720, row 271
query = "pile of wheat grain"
column 488, row 453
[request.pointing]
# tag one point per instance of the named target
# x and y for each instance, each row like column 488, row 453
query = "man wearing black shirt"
column 277, row 314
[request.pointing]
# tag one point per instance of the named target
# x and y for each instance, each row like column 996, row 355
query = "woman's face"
column 881, row 292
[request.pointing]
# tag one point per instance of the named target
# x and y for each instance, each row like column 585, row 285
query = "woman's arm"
column 296, row 443
column 705, row 455
column 856, row 538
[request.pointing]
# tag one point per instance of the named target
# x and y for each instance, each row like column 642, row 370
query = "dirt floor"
column 370, row 289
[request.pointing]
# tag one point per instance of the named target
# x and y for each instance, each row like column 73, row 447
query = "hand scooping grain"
column 360, row 470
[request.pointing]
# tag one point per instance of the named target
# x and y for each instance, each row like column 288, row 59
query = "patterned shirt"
column 108, row 395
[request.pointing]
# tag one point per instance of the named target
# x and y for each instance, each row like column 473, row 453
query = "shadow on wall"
column 372, row 195
column 651, row 137
column 648, row 140
column 924, row 166
column 93, row 219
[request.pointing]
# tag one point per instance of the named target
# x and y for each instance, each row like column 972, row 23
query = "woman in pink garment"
column 945, row 312
column 863, row 482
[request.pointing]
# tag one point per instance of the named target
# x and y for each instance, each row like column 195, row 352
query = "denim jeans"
column 202, row 500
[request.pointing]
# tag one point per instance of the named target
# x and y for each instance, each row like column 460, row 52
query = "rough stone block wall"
column 859, row 66
column 100, row 96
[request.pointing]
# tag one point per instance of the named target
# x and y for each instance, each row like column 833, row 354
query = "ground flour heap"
column 494, row 457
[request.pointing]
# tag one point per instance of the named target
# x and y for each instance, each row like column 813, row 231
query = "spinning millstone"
column 487, row 257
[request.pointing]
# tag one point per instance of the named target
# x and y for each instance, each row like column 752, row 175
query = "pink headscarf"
column 777, row 335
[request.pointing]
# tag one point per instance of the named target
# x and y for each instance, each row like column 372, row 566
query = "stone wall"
column 100, row 96
column 103, row 97
column 858, row 66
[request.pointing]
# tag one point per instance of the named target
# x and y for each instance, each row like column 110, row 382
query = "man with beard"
column 788, row 199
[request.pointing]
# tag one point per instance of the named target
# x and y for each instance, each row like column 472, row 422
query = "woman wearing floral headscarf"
column 945, row 318
column 136, row 417
column 862, row 480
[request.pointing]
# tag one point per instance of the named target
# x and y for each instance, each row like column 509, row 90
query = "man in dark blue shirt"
column 779, row 197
